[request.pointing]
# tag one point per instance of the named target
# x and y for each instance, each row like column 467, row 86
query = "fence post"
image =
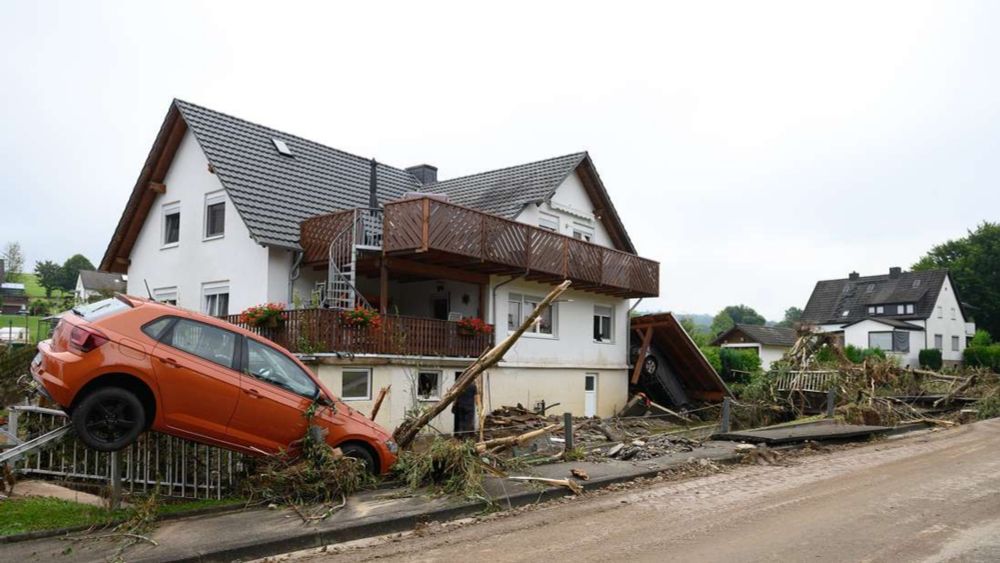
column 12, row 415
column 116, row 480
column 831, row 401
column 726, row 408
column 568, row 430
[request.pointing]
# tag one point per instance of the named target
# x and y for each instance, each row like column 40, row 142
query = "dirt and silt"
column 932, row 496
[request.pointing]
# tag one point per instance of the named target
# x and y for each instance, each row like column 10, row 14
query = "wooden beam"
column 157, row 188
column 122, row 260
column 637, row 370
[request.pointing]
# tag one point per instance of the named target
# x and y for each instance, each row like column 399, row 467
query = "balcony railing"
column 314, row 331
column 494, row 244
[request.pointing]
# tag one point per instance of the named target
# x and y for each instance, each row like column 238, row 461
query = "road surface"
column 931, row 497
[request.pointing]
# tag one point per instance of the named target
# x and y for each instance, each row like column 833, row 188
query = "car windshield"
column 100, row 309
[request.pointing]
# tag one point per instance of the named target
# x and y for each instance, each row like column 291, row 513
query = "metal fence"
column 815, row 381
column 155, row 462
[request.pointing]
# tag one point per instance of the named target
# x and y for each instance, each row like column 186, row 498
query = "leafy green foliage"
column 49, row 275
column 792, row 316
column 974, row 264
column 713, row 355
column 930, row 358
column 983, row 356
column 13, row 259
column 981, row 338
column 739, row 366
column 859, row 355
column 988, row 407
column 733, row 315
column 71, row 271
column 451, row 466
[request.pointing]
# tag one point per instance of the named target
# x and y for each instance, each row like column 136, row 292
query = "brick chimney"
column 424, row 173
column 854, row 276
column 895, row 272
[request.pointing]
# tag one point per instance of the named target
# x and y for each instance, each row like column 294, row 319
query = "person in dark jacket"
column 464, row 410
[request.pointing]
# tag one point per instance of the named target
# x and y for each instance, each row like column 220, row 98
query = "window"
column 215, row 215
column 155, row 329
column 205, row 341
column 519, row 307
column 916, row 283
column 428, row 385
column 871, row 310
column 939, row 342
column 215, row 299
column 954, row 344
column 100, row 309
column 900, row 309
column 582, row 232
column 952, row 313
column 880, row 340
column 171, row 223
column 940, row 312
column 282, row 147
column 602, row 323
column 166, row 295
column 870, row 288
column 548, row 221
column 271, row 366
column 909, row 309
column 845, row 313
column 356, row 385
column 880, row 309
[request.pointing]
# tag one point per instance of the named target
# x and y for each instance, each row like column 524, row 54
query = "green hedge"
column 738, row 366
column 983, row 356
column 930, row 358
column 859, row 355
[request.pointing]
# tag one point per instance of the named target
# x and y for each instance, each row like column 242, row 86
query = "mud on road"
column 929, row 497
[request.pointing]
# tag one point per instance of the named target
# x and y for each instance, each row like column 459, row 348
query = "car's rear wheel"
column 109, row 419
column 361, row 454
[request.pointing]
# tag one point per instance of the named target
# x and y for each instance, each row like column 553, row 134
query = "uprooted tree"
column 408, row 430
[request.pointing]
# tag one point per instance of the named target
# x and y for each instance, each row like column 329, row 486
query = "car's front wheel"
column 109, row 419
column 361, row 454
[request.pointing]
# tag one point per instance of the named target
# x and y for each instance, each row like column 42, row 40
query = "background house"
column 770, row 343
column 91, row 284
column 900, row 313
column 228, row 214
column 12, row 295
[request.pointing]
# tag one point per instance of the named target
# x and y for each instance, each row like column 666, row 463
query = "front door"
column 590, row 394
column 275, row 393
column 198, row 385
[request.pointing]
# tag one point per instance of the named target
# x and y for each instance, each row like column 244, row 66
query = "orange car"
column 125, row 365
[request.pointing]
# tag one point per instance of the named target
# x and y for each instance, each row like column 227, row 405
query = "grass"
column 31, row 514
column 17, row 321
column 32, row 288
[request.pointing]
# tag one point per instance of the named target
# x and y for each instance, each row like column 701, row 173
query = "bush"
column 930, row 358
column 739, row 366
column 983, row 356
column 982, row 338
column 38, row 308
column 854, row 353
column 712, row 355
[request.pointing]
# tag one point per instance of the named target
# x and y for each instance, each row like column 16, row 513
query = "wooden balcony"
column 444, row 234
column 314, row 331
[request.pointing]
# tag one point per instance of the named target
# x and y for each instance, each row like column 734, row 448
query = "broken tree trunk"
column 407, row 431
column 573, row 486
column 501, row 443
column 378, row 401
column 951, row 395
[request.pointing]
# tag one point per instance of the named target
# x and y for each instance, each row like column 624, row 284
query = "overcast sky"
column 751, row 148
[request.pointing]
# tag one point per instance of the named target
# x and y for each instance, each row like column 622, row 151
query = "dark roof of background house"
column 831, row 298
column 894, row 323
column 274, row 193
column 101, row 281
column 505, row 192
column 765, row 335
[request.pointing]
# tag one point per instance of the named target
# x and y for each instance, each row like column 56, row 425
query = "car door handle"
column 170, row 362
column 252, row 392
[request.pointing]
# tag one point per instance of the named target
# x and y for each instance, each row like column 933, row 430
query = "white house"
column 91, row 284
column 769, row 343
column 228, row 214
column 900, row 313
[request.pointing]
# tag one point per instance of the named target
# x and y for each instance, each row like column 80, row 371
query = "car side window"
column 155, row 328
column 205, row 341
column 269, row 365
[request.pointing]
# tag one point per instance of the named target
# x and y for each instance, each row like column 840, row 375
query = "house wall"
column 235, row 257
column 502, row 386
column 945, row 325
column 857, row 335
column 572, row 205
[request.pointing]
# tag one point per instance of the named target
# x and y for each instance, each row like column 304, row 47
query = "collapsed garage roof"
column 667, row 335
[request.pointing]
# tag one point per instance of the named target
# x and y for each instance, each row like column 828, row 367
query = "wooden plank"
column 643, row 350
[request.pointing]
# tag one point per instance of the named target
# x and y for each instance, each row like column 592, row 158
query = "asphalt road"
column 931, row 497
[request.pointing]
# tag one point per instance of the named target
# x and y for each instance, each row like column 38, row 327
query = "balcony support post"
column 383, row 286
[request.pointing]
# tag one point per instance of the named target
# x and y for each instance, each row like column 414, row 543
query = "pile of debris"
column 512, row 421
column 655, row 445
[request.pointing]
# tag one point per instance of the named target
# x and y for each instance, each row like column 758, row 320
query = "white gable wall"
column 571, row 204
column 857, row 335
column 945, row 324
column 235, row 257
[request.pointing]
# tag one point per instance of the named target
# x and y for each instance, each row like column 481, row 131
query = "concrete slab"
column 815, row 431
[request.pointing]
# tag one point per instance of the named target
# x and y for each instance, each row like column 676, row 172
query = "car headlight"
column 393, row 448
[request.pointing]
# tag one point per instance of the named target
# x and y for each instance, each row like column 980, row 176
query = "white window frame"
column 213, row 289
column 165, row 210
column 909, row 308
column 880, row 333
column 164, row 294
column 211, row 199
column 548, row 221
column 955, row 344
column 940, row 312
column 440, row 383
column 880, row 310
column 606, row 311
column 954, row 317
column 871, row 310
column 585, row 232
column 939, row 342
column 368, row 384
column 533, row 331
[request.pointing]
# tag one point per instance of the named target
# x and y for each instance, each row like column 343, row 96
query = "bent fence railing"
column 819, row 381
column 157, row 462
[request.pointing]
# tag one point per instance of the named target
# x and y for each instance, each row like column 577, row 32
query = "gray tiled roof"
column 831, row 298
column 766, row 335
column 895, row 323
column 273, row 193
column 101, row 281
column 506, row 191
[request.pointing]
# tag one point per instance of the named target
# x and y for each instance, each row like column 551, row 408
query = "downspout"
column 373, row 185
column 294, row 272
